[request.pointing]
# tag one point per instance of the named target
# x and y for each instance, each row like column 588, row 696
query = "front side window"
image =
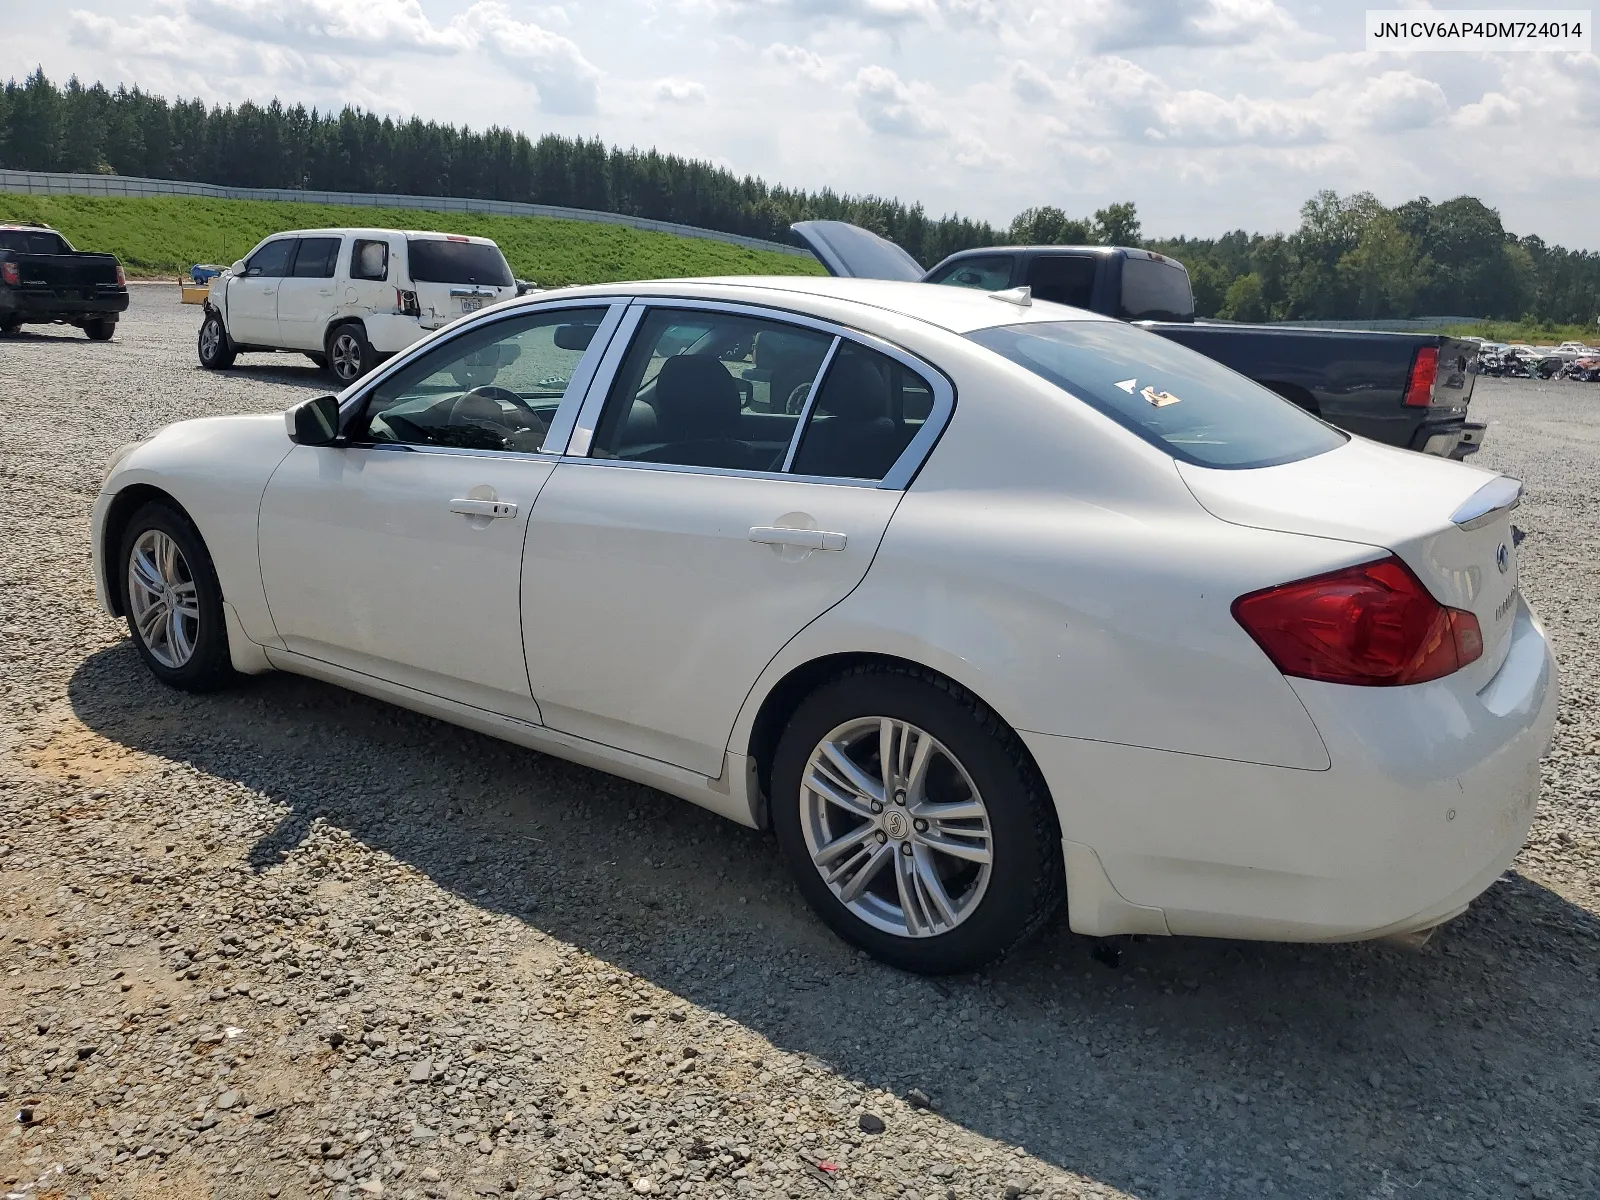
column 315, row 258
column 1195, row 409
column 1064, row 278
column 707, row 389
column 496, row 387
column 271, row 261
column 451, row 260
column 990, row 273
column 867, row 411
column 369, row 260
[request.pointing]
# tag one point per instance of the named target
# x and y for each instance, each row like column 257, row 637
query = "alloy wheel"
column 210, row 339
column 896, row 827
column 162, row 599
column 346, row 356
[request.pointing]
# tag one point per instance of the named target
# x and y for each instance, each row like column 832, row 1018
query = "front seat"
column 858, row 440
column 697, row 415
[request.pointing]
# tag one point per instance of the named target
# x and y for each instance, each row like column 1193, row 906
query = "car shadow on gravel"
column 1192, row 1067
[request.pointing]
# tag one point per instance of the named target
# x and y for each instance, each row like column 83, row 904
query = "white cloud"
column 888, row 106
column 806, row 63
column 680, row 91
column 1031, row 85
column 361, row 26
column 1395, row 101
column 566, row 81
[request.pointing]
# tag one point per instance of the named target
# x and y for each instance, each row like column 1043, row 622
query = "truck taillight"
column 122, row 276
column 1424, row 368
column 10, row 273
column 1374, row 625
column 406, row 302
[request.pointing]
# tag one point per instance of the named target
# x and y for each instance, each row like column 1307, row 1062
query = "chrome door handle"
column 483, row 508
column 810, row 539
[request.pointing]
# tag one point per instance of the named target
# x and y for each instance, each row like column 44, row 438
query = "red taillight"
column 1374, row 625
column 122, row 278
column 1419, row 392
column 454, row 237
column 11, row 274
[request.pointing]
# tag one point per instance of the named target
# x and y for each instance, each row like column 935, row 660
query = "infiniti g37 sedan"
column 981, row 604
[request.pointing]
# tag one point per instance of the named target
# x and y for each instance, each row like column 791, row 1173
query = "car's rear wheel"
column 10, row 324
column 350, row 355
column 100, row 329
column 914, row 821
column 173, row 601
column 215, row 346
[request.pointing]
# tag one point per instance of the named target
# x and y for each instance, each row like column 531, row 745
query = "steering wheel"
column 796, row 399
column 474, row 407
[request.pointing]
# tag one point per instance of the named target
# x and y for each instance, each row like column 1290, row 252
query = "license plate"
column 470, row 304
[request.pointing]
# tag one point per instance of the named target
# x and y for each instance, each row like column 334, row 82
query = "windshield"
column 1195, row 409
column 28, row 241
column 434, row 260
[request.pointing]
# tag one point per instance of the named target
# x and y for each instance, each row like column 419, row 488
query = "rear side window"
column 1154, row 290
column 31, row 241
column 866, row 413
column 369, row 260
column 315, row 258
column 1064, row 278
column 271, row 261
column 438, row 260
column 1195, row 409
column 990, row 273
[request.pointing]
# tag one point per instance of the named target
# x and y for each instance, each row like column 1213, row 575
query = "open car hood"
column 855, row 253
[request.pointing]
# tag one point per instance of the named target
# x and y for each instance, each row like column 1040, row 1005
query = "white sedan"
column 980, row 603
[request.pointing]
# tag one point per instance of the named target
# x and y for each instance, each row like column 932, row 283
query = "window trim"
column 897, row 478
column 361, row 392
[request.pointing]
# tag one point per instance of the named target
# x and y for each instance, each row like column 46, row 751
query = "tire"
column 162, row 548
column 320, row 360
column 349, row 354
column 987, row 908
column 10, row 324
column 100, row 329
column 215, row 347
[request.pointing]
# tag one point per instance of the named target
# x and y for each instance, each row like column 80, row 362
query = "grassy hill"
column 162, row 236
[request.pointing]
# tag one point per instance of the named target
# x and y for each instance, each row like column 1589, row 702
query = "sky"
column 1210, row 115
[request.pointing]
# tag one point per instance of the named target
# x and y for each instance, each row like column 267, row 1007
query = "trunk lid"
column 1450, row 523
column 453, row 275
column 855, row 253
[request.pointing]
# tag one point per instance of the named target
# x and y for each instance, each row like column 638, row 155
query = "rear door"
column 306, row 295
column 252, row 314
column 691, row 531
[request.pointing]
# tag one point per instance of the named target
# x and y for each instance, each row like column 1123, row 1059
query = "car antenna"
column 1022, row 297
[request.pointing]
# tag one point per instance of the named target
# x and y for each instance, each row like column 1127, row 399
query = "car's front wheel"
column 215, row 346
column 350, row 355
column 173, row 601
column 914, row 821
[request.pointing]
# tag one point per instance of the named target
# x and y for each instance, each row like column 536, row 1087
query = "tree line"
column 1350, row 257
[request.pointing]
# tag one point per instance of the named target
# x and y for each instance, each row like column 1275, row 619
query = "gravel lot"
column 287, row 941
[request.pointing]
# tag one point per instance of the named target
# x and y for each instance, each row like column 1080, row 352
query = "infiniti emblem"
column 1502, row 557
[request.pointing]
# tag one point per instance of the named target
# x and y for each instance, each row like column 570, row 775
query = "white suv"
column 348, row 298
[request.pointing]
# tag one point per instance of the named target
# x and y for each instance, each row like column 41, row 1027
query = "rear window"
column 29, row 241
column 1153, row 290
column 1195, row 409
column 1064, row 278
column 434, row 260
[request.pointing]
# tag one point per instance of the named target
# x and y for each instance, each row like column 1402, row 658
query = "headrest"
column 855, row 389
column 696, row 398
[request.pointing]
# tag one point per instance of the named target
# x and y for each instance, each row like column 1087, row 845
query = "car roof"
column 959, row 310
column 28, row 228
column 351, row 231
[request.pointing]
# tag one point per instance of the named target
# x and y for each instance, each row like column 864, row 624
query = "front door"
column 253, row 297
column 667, row 568
column 398, row 554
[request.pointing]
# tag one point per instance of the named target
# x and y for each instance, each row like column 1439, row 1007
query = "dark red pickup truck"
column 43, row 280
column 1406, row 389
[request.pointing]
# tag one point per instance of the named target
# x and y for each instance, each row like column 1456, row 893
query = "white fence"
column 57, row 183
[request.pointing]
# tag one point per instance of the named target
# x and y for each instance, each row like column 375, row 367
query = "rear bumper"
column 55, row 306
column 1429, row 798
column 1449, row 439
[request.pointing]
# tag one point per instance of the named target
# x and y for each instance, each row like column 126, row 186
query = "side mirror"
column 314, row 422
column 238, row 267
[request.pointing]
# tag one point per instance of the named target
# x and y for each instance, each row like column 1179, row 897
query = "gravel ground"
column 287, row 941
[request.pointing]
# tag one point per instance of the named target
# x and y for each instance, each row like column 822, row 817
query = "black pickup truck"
column 1406, row 389
column 43, row 280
